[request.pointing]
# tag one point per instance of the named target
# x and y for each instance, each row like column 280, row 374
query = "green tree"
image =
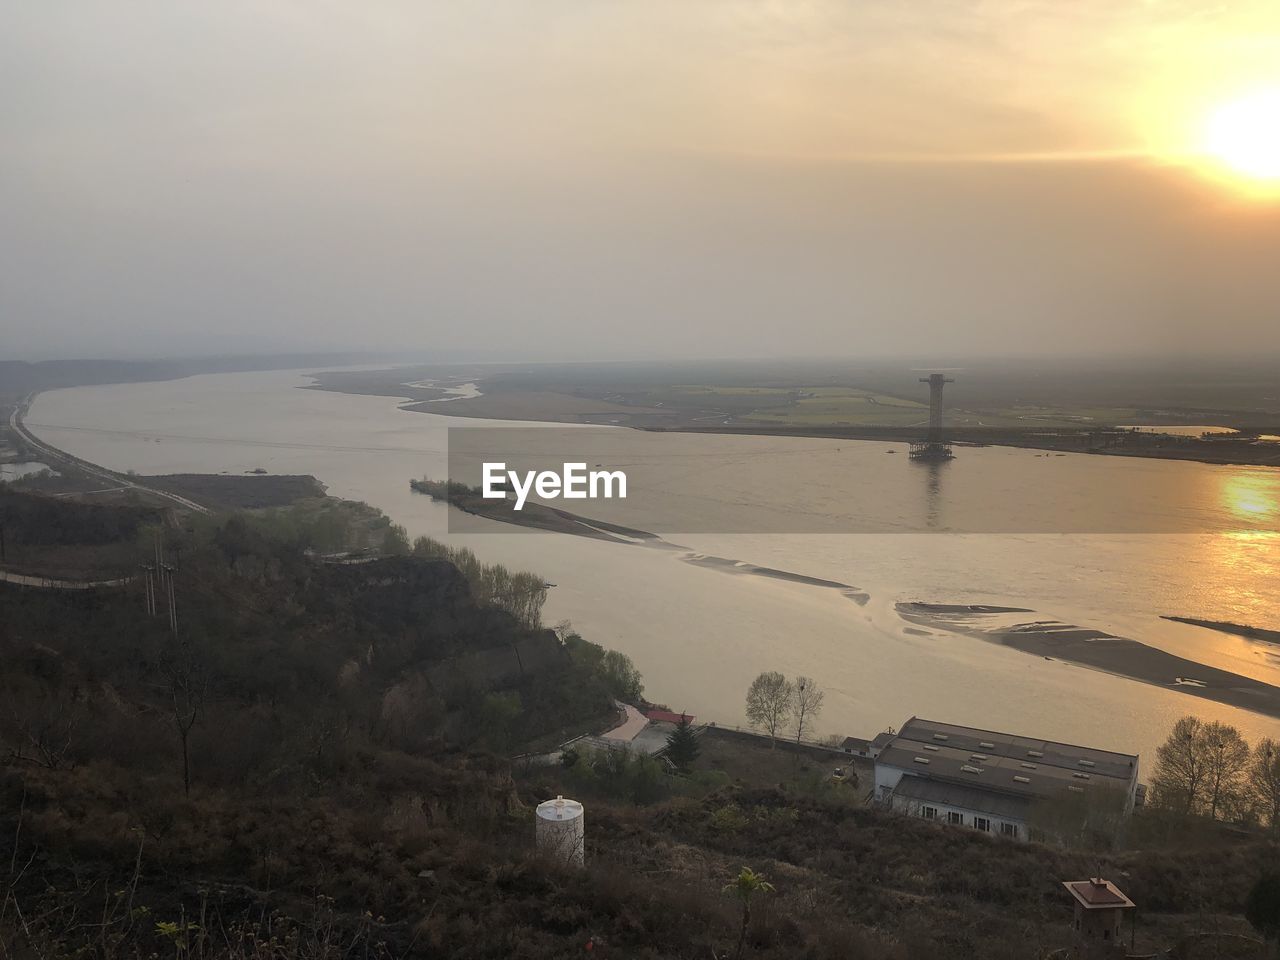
column 646, row 779
column 621, row 676
column 682, row 745
column 396, row 541
column 612, row 768
column 1262, row 907
column 609, row 670
column 745, row 886
column 769, row 703
column 498, row 714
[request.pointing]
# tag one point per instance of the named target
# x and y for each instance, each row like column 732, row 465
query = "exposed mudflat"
column 1257, row 634
column 726, row 565
column 1098, row 650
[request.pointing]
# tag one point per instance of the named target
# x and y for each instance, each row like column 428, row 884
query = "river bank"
column 700, row 631
column 533, row 515
column 1098, row 650
column 731, row 411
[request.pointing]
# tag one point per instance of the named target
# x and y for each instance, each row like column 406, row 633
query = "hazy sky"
column 629, row 178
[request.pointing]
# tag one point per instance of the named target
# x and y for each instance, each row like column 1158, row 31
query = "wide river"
column 700, row 633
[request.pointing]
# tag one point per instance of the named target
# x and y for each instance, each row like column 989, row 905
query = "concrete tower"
column 934, row 447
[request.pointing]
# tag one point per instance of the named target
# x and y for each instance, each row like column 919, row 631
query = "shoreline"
column 1030, row 441
column 202, row 493
column 45, row 451
column 1256, row 634
column 551, row 407
column 1098, row 650
column 1079, row 646
column 539, row 516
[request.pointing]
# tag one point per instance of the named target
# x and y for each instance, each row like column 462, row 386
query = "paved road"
column 626, row 731
column 47, row 452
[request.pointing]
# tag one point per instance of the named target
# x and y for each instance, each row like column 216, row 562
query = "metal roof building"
column 974, row 799
column 866, row 748
column 990, row 780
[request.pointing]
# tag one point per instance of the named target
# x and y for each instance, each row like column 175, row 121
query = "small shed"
column 1100, row 909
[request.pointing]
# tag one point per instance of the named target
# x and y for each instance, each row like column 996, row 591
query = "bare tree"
column 1264, row 780
column 807, row 705
column 769, row 703
column 1226, row 764
column 1178, row 780
column 43, row 721
column 187, row 681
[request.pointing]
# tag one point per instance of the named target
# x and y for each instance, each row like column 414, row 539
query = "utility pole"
column 173, row 604
column 149, row 589
column 157, row 582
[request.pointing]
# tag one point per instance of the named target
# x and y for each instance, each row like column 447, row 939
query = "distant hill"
column 18, row 377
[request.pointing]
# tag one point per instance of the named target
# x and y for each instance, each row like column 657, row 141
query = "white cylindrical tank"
column 559, row 830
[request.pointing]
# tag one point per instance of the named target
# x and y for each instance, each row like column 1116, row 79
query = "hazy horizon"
column 574, row 181
column 418, row 357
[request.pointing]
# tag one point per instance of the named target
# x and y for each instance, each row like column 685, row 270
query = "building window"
column 929, row 813
column 1009, row 829
column 982, row 823
column 955, row 818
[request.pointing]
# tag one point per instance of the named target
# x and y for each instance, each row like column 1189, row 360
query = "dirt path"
column 51, row 583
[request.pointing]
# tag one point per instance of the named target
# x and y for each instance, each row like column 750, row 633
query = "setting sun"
column 1243, row 135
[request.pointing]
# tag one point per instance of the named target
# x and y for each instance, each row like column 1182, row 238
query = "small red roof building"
column 666, row 716
column 1100, row 905
column 1097, row 894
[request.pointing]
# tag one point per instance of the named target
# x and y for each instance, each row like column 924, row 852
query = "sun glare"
column 1243, row 136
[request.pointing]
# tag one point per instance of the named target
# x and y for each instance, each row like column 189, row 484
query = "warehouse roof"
column 1004, row 762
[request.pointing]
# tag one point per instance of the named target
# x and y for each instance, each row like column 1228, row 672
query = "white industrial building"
column 991, row 781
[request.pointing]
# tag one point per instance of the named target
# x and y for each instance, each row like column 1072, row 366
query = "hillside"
column 346, row 725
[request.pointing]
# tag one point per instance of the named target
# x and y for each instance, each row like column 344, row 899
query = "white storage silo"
column 559, row 830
